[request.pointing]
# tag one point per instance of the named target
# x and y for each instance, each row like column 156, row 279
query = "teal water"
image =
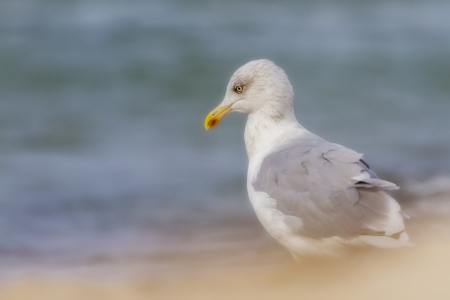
column 102, row 147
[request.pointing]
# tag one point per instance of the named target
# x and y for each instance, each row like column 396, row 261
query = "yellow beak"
column 216, row 115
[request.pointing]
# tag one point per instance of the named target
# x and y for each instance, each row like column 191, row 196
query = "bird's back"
column 323, row 190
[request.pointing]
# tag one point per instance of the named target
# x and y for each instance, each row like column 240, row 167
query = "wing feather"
column 326, row 190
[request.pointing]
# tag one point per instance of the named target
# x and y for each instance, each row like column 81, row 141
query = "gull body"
column 315, row 197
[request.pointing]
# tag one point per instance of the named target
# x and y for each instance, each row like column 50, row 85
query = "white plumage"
column 313, row 196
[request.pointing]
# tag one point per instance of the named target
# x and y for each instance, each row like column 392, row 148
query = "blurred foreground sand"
column 420, row 272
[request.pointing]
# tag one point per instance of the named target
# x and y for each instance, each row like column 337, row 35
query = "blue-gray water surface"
column 102, row 103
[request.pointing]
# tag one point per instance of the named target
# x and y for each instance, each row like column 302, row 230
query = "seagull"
column 316, row 198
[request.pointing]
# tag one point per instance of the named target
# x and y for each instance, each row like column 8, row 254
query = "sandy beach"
column 268, row 271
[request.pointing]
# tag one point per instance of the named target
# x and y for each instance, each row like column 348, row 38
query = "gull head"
column 257, row 85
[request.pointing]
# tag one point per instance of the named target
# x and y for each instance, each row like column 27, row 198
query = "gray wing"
column 326, row 190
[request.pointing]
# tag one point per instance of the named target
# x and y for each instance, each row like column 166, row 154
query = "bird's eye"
column 239, row 88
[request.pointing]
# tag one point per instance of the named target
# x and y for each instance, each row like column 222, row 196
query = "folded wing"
column 325, row 190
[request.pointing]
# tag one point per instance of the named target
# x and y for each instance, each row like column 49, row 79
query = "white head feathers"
column 257, row 84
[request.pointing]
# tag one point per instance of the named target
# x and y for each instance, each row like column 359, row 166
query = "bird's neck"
column 266, row 128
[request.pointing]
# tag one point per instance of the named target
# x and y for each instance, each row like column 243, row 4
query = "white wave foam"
column 440, row 184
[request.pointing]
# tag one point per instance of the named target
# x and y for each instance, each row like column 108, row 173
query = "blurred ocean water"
column 102, row 145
